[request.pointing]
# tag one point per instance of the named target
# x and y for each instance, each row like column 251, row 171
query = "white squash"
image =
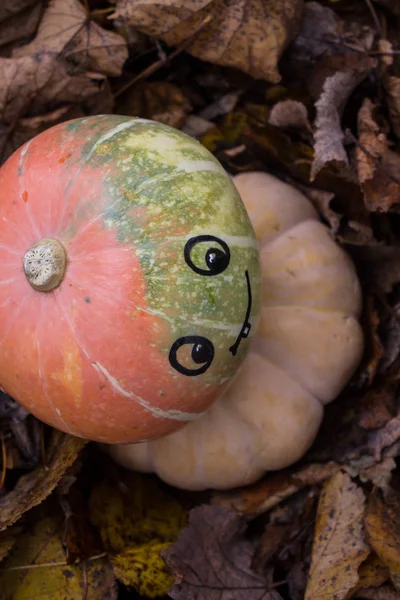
column 307, row 346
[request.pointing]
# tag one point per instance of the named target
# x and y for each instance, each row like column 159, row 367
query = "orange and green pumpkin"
column 130, row 278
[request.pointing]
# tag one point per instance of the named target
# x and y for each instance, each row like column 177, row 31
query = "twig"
column 162, row 63
column 375, row 18
column 43, row 447
column 61, row 563
column 4, row 458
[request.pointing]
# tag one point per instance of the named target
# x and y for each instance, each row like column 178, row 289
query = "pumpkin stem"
column 44, row 264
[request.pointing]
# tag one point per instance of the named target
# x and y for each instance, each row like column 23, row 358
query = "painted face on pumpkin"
column 217, row 259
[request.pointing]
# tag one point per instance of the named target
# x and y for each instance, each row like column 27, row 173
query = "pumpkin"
column 130, row 278
column 307, row 346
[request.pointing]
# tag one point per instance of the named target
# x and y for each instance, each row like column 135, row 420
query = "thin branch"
column 4, row 459
column 162, row 63
column 375, row 18
column 61, row 563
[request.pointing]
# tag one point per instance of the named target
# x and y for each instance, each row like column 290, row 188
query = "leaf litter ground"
column 311, row 92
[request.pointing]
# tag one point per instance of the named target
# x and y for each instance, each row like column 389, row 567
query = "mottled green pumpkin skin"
column 124, row 196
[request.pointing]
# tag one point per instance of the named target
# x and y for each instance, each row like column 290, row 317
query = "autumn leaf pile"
column 309, row 91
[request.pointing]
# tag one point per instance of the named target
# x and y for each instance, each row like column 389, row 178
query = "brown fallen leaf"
column 382, row 522
column 8, row 539
column 41, row 85
column 377, row 165
column 20, row 26
column 288, row 114
column 22, row 576
column 260, row 497
column 336, row 90
column 66, row 29
column 321, row 200
column 158, row 100
column 9, row 8
column 247, row 34
column 32, row 488
column 212, row 559
column 386, row 592
column 339, row 546
column 392, row 85
column 372, row 573
column 323, row 32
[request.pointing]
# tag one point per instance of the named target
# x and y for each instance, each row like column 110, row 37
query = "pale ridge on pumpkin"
column 174, row 414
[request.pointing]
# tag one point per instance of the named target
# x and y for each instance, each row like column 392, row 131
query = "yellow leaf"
column 339, row 546
column 138, row 519
column 382, row 521
column 143, row 567
column 36, row 567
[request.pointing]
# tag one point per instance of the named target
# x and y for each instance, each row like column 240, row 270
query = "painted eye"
column 189, row 350
column 207, row 255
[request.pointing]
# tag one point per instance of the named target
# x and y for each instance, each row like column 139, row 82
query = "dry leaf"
column 137, row 520
column 10, row 8
column 323, row 32
column 289, row 114
column 336, row 90
column 260, row 497
column 392, row 85
column 382, row 522
column 377, row 166
column 42, row 85
column 196, row 126
column 386, row 592
column 66, row 29
column 8, row 539
column 20, row 26
column 42, row 543
column 212, row 559
column 321, row 200
column 158, row 100
column 372, row 573
column 247, row 34
column 339, row 546
column 33, row 488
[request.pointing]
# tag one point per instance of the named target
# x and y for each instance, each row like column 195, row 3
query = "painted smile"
column 245, row 330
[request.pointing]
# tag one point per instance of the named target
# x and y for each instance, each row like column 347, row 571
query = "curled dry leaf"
column 382, row 522
column 336, row 90
column 33, row 488
column 377, row 166
column 67, row 29
column 42, row 543
column 247, row 34
column 212, row 559
column 339, row 546
column 136, row 521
